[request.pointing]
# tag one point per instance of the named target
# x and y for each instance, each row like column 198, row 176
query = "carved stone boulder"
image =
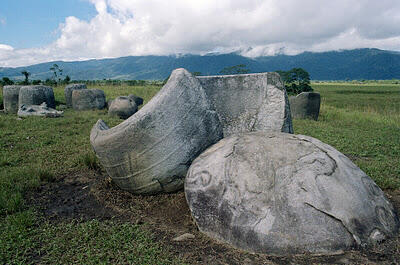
column 249, row 102
column 68, row 92
column 281, row 194
column 305, row 105
column 10, row 99
column 36, row 95
column 39, row 110
column 88, row 99
column 151, row 151
column 122, row 107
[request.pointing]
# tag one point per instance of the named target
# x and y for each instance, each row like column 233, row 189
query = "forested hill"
column 333, row 65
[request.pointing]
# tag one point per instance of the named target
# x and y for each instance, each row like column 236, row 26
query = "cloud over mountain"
column 253, row 27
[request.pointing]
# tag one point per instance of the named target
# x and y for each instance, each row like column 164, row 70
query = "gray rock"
column 183, row 237
column 87, row 99
column 249, row 102
column 305, row 105
column 36, row 95
column 283, row 194
column 138, row 100
column 123, row 107
column 151, row 151
column 39, row 110
column 68, row 92
column 10, row 99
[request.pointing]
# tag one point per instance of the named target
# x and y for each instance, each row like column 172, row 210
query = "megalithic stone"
column 10, row 98
column 151, row 151
column 249, row 102
column 36, row 95
column 305, row 105
column 68, row 92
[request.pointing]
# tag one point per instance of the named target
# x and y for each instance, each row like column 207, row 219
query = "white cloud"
column 256, row 27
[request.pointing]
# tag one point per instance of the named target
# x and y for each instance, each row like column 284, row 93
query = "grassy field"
column 362, row 121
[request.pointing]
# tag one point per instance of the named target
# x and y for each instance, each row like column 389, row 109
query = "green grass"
column 362, row 121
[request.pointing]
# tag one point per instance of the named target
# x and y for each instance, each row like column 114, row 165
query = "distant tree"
column 296, row 80
column 57, row 73
column 26, row 75
column 196, row 73
column 6, row 81
column 36, row 82
column 67, row 79
column 236, row 69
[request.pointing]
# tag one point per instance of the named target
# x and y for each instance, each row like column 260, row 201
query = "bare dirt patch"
column 89, row 195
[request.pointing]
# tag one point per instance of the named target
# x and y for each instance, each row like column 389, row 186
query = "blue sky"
column 35, row 23
column 35, row 31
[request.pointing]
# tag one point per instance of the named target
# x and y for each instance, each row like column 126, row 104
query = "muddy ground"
column 90, row 195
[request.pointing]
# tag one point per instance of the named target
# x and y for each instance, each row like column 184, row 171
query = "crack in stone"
column 355, row 237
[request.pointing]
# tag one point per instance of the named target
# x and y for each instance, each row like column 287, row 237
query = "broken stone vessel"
column 152, row 150
column 305, row 105
column 68, row 92
column 10, row 98
column 87, row 99
column 281, row 194
column 39, row 110
column 36, row 95
column 249, row 102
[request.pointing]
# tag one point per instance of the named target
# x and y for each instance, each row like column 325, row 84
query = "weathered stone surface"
column 305, row 105
column 87, row 99
column 39, row 110
column 185, row 236
column 123, row 107
column 249, row 102
column 36, row 95
column 138, row 100
column 10, row 99
column 282, row 194
column 68, row 92
column 151, row 151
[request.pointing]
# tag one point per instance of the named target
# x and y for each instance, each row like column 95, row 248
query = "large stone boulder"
column 10, row 98
column 36, row 95
column 39, row 110
column 68, row 92
column 283, row 194
column 249, row 102
column 138, row 100
column 151, row 151
column 305, row 105
column 123, row 107
column 87, row 99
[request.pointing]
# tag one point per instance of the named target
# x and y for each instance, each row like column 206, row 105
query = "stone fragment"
column 39, row 110
column 283, row 194
column 10, row 99
column 138, row 100
column 36, row 95
column 249, row 102
column 183, row 237
column 87, row 99
column 151, row 151
column 68, row 92
column 305, row 105
column 123, row 107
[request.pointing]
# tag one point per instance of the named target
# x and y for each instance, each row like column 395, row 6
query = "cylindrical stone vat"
column 86, row 99
column 68, row 92
column 305, row 105
column 36, row 95
column 10, row 98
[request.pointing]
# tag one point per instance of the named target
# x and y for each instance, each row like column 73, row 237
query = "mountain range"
column 370, row 64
